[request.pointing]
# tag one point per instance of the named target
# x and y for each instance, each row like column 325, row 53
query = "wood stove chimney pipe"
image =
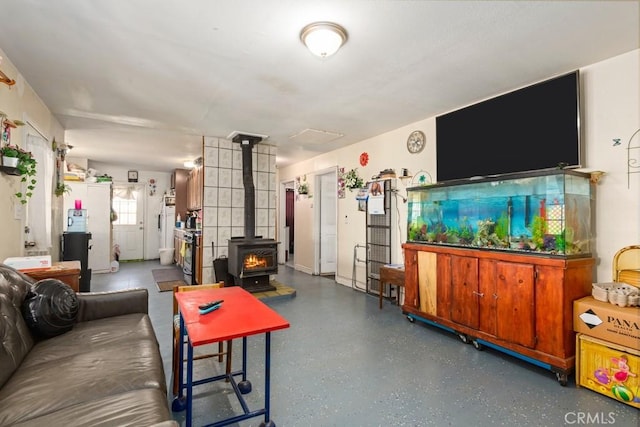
column 246, row 144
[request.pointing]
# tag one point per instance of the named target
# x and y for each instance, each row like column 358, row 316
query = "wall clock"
column 133, row 176
column 416, row 141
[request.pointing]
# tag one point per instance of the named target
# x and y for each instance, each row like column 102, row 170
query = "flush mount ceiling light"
column 323, row 38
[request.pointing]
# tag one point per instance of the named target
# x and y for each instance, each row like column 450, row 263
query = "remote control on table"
column 211, row 308
column 208, row 305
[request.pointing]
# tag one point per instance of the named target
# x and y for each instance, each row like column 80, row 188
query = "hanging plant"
column 62, row 189
column 352, row 180
column 303, row 188
column 27, row 169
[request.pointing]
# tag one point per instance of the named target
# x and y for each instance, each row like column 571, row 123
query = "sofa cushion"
column 50, row 309
column 133, row 408
column 15, row 338
column 92, row 336
column 80, row 378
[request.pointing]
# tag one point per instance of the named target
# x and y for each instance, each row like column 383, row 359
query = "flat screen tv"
column 536, row 127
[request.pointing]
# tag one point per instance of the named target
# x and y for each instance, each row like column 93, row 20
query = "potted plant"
column 61, row 189
column 352, row 180
column 10, row 155
column 303, row 188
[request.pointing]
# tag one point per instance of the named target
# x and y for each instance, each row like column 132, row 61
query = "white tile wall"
column 237, row 217
column 237, row 198
column 223, row 210
column 210, row 196
column 210, row 177
column 225, row 158
column 224, row 217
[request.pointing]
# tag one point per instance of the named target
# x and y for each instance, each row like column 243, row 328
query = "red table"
column 240, row 316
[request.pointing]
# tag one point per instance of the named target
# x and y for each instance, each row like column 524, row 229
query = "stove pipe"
column 246, row 144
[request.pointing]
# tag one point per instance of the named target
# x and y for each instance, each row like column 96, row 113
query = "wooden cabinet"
column 179, row 184
column 66, row 271
column 521, row 304
column 195, row 186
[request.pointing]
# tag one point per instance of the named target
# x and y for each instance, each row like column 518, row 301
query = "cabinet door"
column 464, row 291
column 515, row 311
column 411, row 278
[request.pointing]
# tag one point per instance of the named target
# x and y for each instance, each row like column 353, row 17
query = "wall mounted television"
column 536, row 127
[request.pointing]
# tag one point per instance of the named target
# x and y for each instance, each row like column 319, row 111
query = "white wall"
column 22, row 103
column 152, row 203
column 611, row 99
column 611, row 109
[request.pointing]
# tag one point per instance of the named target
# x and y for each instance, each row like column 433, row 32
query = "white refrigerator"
column 167, row 224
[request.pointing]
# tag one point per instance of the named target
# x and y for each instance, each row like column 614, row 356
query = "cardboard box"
column 618, row 325
column 29, row 262
column 609, row 369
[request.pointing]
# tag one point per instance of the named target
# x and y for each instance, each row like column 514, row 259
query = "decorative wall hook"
column 6, row 80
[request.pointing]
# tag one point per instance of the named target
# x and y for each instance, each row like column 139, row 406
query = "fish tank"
column 546, row 212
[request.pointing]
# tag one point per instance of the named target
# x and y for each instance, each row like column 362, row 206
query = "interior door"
column 328, row 223
column 128, row 228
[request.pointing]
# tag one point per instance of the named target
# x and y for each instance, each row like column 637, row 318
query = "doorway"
column 287, row 223
column 128, row 228
column 326, row 183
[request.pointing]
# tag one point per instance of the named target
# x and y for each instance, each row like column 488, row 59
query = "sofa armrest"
column 99, row 305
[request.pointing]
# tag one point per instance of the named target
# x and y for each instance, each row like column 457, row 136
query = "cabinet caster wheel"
column 477, row 345
column 411, row 319
column 562, row 378
column 463, row 338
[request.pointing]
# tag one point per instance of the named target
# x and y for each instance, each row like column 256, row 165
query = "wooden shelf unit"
column 517, row 303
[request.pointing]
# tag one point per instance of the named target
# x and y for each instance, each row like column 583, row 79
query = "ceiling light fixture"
column 323, row 38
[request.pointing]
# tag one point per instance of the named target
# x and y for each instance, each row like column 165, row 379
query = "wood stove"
column 252, row 259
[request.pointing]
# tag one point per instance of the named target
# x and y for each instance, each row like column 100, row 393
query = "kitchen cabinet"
column 516, row 303
column 96, row 199
column 179, row 184
column 195, row 186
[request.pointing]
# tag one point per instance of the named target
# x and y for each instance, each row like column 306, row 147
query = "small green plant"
column 62, row 189
column 502, row 227
column 538, row 228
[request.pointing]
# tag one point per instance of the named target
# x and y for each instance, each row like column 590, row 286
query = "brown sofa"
column 106, row 371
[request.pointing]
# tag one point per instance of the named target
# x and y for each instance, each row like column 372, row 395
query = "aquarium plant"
column 465, row 233
column 538, row 228
column 502, row 227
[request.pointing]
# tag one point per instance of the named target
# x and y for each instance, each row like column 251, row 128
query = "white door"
column 128, row 228
column 96, row 199
column 328, row 222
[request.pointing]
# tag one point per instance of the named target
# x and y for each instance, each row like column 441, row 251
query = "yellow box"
column 618, row 325
column 609, row 369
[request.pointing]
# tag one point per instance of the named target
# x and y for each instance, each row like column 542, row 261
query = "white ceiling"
column 138, row 82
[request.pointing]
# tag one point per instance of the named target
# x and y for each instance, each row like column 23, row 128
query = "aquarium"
column 546, row 212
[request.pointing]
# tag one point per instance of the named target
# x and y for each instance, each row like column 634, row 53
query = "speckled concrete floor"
column 344, row 362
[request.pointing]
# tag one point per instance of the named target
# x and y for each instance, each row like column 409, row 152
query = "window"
column 125, row 207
